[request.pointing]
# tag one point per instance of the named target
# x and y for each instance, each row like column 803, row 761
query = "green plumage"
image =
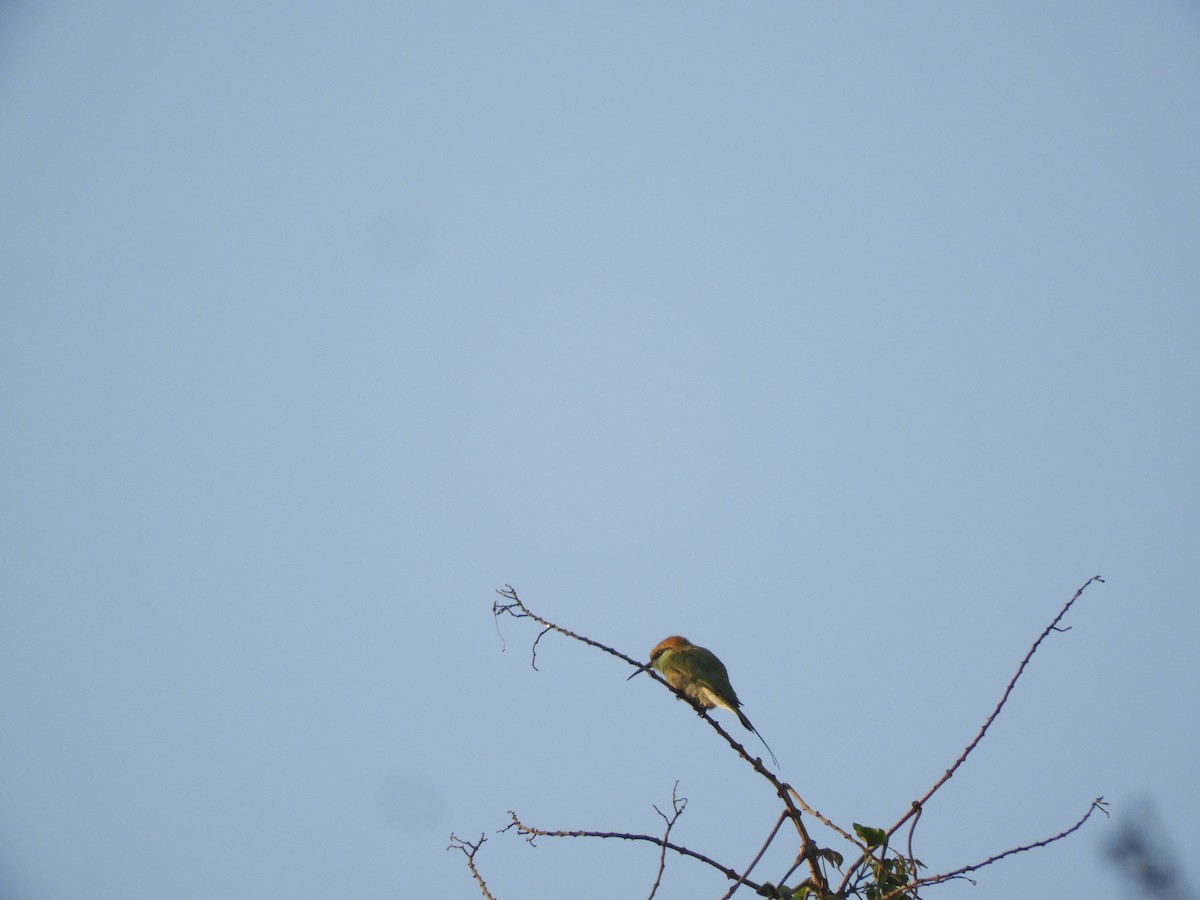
column 697, row 674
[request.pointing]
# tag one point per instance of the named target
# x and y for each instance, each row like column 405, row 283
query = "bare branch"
column 1053, row 626
column 530, row 833
column 469, row 850
column 783, row 817
column 816, row 814
column 518, row 610
column 1097, row 804
column 799, row 861
column 912, row 860
column 962, row 757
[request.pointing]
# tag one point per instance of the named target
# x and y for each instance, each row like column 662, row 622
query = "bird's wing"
column 706, row 669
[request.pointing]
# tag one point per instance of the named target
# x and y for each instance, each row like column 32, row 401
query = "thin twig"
column 519, row 610
column 791, row 870
column 824, row 820
column 783, row 816
column 745, row 873
column 912, row 860
column 529, row 833
column 678, row 805
column 469, row 850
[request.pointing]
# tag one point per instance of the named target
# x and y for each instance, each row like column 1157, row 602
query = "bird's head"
column 674, row 642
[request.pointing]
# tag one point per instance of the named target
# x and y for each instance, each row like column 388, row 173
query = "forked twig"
column 678, row 805
column 519, row 610
column 469, row 850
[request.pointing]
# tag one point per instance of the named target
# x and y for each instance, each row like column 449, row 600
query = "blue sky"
column 847, row 340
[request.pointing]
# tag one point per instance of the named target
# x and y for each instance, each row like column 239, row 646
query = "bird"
column 697, row 674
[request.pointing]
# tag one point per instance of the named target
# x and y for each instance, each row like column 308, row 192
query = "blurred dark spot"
column 1142, row 850
column 411, row 803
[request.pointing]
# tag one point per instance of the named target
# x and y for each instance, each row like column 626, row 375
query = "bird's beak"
column 640, row 670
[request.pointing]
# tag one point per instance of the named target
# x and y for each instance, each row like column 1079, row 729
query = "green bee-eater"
column 697, row 674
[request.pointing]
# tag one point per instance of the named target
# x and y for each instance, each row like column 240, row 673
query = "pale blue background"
column 846, row 339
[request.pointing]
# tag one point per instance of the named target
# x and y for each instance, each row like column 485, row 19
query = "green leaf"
column 872, row 837
column 831, row 856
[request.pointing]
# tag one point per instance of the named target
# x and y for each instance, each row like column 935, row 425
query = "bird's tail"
column 746, row 722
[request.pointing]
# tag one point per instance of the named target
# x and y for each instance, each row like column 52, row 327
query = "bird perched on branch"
column 702, row 678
